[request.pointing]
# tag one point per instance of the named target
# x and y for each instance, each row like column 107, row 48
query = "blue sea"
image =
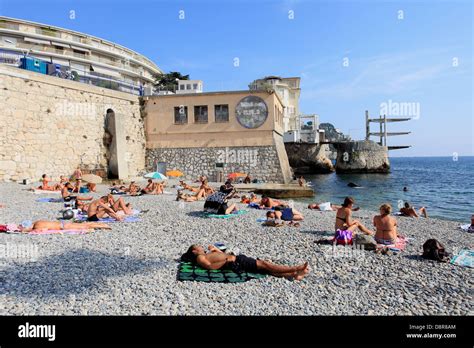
column 443, row 185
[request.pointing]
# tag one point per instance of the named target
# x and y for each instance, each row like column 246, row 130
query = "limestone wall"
column 51, row 125
column 262, row 162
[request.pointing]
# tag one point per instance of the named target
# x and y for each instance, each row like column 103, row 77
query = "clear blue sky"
column 405, row 60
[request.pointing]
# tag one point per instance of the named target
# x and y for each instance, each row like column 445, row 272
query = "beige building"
column 288, row 89
column 208, row 133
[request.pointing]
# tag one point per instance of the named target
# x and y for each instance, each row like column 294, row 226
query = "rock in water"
column 361, row 157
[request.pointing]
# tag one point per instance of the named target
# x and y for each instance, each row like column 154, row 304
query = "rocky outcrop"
column 307, row 158
column 362, row 157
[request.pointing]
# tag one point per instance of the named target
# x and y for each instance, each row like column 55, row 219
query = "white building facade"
column 90, row 59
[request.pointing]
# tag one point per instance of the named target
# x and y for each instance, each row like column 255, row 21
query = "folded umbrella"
column 92, row 178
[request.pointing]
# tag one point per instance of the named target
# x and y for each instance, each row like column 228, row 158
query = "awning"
column 60, row 44
column 38, row 41
column 61, row 61
column 80, row 49
column 104, row 71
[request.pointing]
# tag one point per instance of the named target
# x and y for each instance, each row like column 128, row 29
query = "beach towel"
column 226, row 216
column 256, row 206
column 61, row 232
column 38, row 192
column 192, row 272
column 129, row 218
column 467, row 228
column 50, row 200
column 465, row 258
column 399, row 245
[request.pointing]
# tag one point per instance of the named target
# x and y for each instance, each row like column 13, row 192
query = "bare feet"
column 303, row 272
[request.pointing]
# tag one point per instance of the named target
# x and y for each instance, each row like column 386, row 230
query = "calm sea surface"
column 444, row 186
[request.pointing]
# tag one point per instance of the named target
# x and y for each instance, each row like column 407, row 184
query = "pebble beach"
column 132, row 269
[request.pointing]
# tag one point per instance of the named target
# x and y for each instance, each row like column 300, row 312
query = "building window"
column 181, row 87
column 188, row 86
column 200, row 114
column 222, row 113
column 180, row 114
column 195, row 86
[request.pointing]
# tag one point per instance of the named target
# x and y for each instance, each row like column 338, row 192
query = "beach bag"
column 368, row 242
column 343, row 237
column 434, row 250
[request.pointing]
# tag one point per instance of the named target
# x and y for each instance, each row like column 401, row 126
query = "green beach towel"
column 228, row 216
column 464, row 258
column 192, row 272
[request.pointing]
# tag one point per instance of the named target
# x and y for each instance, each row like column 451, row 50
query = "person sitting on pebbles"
column 386, row 226
column 101, row 208
column 410, row 211
column 217, row 259
column 45, row 179
column 344, row 220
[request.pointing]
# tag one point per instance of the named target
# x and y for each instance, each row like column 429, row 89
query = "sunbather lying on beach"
column 100, row 208
column 267, row 202
column 43, row 225
column 275, row 218
column 133, row 189
column 249, row 199
column 287, row 214
column 217, row 259
column 119, row 205
column 66, row 194
column 386, row 226
column 410, row 211
column 334, row 207
column 344, row 220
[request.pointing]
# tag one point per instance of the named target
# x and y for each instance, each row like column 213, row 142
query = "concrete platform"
column 277, row 190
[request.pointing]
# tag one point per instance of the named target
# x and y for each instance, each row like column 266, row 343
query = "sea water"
column 444, row 185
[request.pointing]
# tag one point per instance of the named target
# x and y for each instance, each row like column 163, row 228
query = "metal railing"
column 83, row 76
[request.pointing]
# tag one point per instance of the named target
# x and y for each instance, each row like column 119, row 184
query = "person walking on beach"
column 344, row 220
column 386, row 226
column 410, row 211
column 217, row 259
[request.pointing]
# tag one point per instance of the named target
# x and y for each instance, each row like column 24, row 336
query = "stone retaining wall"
column 262, row 162
column 51, row 125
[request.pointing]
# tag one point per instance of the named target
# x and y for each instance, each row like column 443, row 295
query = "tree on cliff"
column 169, row 81
column 332, row 134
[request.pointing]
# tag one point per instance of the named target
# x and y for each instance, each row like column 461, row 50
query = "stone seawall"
column 308, row 158
column 51, row 125
column 262, row 162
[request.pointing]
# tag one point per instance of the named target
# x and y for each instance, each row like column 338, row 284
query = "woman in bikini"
column 344, row 220
column 386, row 226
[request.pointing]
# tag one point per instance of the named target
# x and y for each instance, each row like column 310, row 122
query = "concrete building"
column 189, row 86
column 288, row 89
column 96, row 61
column 217, row 133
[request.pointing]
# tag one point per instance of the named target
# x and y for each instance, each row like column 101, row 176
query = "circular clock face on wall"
column 251, row 112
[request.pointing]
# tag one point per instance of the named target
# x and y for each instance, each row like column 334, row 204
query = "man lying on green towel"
column 217, row 259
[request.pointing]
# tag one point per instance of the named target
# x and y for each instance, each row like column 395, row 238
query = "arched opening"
column 110, row 144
